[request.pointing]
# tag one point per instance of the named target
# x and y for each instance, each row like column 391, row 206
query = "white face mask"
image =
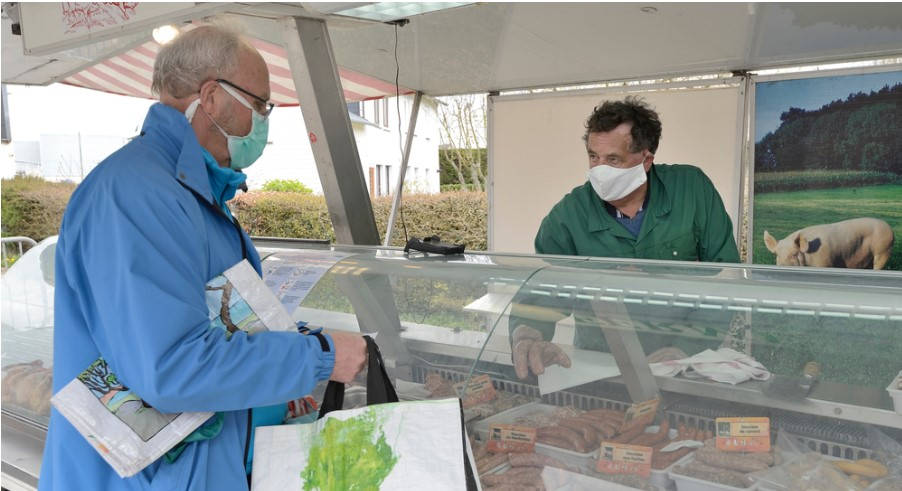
column 611, row 183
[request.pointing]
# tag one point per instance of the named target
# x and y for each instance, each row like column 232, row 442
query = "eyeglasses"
column 261, row 105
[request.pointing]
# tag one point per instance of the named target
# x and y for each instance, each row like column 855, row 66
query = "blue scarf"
column 224, row 181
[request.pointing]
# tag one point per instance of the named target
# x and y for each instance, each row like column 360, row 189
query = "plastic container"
column 895, row 391
column 689, row 483
column 555, row 478
column 661, row 478
column 582, row 460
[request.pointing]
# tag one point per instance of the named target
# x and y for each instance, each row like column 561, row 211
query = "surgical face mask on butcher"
column 612, row 183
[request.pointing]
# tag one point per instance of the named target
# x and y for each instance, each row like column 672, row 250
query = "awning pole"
column 325, row 112
column 399, row 188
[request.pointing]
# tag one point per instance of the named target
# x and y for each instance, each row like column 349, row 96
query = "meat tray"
column 582, row 460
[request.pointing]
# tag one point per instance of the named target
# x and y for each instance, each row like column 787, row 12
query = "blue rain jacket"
column 138, row 242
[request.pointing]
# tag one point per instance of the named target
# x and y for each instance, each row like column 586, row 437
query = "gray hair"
column 204, row 53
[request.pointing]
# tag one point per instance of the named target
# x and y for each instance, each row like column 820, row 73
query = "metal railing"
column 22, row 243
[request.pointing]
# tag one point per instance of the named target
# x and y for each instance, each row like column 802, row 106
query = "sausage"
column 715, row 474
column 490, row 462
column 518, row 475
column 629, row 435
column 692, row 433
column 663, row 460
column 480, row 451
column 604, row 430
column 514, row 487
column 535, row 460
column 556, row 355
column 576, row 440
column 536, row 350
column 729, row 460
column 521, row 357
column 554, row 441
column 682, row 432
column 650, row 439
column 586, row 430
column 562, row 359
column 609, row 413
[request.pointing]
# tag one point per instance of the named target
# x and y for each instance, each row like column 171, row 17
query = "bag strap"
column 379, row 388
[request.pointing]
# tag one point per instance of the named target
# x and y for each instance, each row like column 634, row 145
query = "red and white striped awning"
column 130, row 74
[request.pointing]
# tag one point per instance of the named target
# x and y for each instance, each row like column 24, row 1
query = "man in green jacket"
column 628, row 208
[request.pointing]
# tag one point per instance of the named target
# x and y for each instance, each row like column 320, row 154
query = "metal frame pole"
column 399, row 188
column 6, row 132
column 619, row 331
column 325, row 112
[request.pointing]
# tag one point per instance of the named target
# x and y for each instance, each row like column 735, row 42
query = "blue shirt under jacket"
column 138, row 241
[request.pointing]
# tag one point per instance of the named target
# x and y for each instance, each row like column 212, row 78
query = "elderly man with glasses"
column 140, row 238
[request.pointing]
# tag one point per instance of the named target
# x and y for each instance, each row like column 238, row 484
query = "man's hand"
column 532, row 353
column 350, row 356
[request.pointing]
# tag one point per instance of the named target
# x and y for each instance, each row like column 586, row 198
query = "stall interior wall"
column 537, row 154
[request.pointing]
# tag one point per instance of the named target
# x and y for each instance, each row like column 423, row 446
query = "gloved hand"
column 532, row 353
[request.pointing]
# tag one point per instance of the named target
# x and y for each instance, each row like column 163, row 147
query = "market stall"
column 444, row 323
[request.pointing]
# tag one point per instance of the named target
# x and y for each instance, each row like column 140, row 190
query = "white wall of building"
column 380, row 142
column 61, row 132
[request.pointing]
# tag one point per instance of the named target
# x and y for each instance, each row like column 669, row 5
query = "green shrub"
column 287, row 186
column 767, row 182
column 33, row 207
column 459, row 217
column 8, row 261
column 281, row 214
column 446, row 188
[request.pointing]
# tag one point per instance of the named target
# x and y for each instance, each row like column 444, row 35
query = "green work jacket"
column 685, row 220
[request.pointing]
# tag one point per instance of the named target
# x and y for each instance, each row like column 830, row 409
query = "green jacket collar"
column 659, row 204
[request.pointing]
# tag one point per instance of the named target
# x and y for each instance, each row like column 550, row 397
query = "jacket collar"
column 170, row 127
column 659, row 204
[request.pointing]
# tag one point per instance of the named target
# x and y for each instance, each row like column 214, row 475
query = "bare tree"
column 463, row 120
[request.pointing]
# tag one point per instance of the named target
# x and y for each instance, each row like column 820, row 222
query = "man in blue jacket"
column 140, row 238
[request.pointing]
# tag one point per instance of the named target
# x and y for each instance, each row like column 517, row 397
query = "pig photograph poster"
column 828, row 172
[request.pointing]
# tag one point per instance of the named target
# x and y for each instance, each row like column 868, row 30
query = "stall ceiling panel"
column 500, row 46
column 111, row 67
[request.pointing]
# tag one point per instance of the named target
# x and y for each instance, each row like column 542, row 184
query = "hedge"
column 33, row 207
column 767, row 182
column 459, row 217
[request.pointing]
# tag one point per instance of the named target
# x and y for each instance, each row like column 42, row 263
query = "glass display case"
column 814, row 351
column 629, row 352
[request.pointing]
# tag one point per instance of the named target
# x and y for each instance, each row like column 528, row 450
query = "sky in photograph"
column 775, row 98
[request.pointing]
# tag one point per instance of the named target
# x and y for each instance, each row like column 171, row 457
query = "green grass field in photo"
column 782, row 213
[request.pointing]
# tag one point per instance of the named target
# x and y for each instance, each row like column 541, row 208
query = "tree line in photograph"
column 860, row 133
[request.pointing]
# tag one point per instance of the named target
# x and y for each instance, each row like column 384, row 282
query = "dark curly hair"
column 646, row 130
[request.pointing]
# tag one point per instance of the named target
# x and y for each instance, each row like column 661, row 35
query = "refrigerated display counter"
column 817, row 352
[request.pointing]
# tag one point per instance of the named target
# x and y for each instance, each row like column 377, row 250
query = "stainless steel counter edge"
column 22, row 448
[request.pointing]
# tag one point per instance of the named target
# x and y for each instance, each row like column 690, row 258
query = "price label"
column 511, row 438
column 477, row 391
column 642, row 413
column 619, row 458
column 743, row 434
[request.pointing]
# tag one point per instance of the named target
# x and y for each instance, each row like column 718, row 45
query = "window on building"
column 378, row 180
column 387, row 180
column 385, row 110
column 377, row 112
column 354, row 107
